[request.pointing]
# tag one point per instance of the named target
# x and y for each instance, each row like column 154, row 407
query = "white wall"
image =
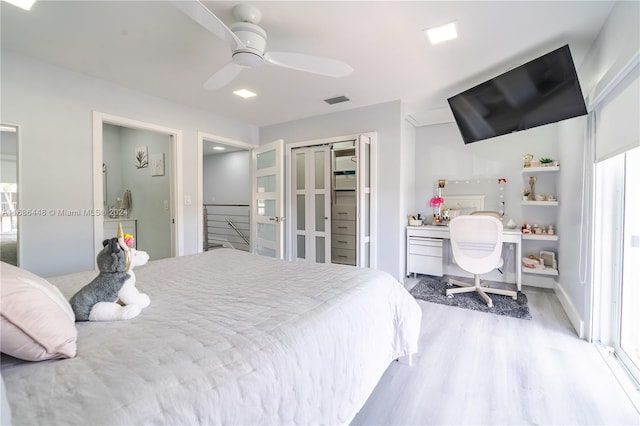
column 618, row 41
column 53, row 108
column 9, row 171
column 386, row 120
column 226, row 178
column 441, row 154
column 8, row 150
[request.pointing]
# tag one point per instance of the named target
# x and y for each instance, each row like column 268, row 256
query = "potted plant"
column 544, row 161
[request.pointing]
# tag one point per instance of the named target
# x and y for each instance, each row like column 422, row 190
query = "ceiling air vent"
column 336, row 100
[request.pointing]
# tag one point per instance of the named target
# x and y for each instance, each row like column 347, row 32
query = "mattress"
column 229, row 338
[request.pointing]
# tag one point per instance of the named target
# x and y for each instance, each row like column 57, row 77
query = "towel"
column 127, row 202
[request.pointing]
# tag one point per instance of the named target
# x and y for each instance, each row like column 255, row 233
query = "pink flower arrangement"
column 129, row 240
column 436, row 201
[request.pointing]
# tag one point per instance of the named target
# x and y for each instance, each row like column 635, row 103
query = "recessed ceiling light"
column 219, row 148
column 244, row 93
column 442, row 33
column 23, row 4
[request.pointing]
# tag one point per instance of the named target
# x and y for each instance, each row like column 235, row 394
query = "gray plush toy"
column 98, row 300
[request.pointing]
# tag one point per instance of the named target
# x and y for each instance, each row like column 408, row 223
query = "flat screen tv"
column 545, row 90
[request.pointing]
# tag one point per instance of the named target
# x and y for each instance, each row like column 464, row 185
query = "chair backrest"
column 476, row 242
column 487, row 213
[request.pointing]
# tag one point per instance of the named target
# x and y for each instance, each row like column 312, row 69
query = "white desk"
column 415, row 233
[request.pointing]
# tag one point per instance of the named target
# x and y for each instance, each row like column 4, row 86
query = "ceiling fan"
column 248, row 42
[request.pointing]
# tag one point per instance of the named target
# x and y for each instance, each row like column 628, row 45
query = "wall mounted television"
column 543, row 91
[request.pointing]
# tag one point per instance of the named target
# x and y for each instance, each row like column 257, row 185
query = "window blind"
column 617, row 117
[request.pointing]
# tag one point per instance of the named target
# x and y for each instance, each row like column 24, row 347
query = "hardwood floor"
column 478, row 368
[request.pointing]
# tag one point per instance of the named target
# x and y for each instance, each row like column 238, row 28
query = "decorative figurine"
column 532, row 181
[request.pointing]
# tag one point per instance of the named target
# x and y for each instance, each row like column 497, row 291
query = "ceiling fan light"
column 248, row 59
column 253, row 37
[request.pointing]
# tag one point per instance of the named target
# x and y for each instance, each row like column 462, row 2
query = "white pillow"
column 37, row 322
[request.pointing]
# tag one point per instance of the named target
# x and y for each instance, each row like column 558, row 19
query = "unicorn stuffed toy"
column 113, row 295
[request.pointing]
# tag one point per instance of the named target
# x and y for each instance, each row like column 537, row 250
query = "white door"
column 311, row 173
column 267, row 202
column 363, row 154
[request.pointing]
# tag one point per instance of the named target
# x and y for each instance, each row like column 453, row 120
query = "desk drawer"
column 343, row 241
column 345, row 227
column 430, row 265
column 343, row 256
column 425, row 250
column 425, row 246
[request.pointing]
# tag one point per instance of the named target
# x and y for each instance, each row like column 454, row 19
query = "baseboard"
column 574, row 317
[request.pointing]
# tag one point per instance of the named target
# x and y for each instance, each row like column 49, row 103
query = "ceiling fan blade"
column 308, row 63
column 203, row 16
column 223, row 76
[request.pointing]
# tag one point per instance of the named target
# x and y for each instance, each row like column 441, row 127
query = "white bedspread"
column 229, row 338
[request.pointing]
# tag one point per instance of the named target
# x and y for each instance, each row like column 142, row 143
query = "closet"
column 331, row 202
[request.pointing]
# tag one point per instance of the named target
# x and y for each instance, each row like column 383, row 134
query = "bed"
column 229, row 338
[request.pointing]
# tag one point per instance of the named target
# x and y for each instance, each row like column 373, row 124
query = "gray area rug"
column 433, row 290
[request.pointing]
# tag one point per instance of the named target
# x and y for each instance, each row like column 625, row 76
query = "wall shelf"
column 546, row 184
column 539, row 203
column 546, row 271
column 540, row 169
column 539, row 237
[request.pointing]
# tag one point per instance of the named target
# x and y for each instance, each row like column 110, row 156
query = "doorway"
column 138, row 178
column 224, row 192
column 137, row 187
column 9, row 224
column 350, row 218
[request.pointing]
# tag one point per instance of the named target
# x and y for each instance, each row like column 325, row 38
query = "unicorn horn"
column 124, row 246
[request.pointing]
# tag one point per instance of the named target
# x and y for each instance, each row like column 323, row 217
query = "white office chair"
column 476, row 242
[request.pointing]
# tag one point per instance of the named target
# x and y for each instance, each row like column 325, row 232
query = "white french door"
column 363, row 154
column 311, row 173
column 617, row 254
column 267, row 202
column 628, row 348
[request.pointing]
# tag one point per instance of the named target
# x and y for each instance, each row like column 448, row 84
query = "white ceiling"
column 152, row 47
